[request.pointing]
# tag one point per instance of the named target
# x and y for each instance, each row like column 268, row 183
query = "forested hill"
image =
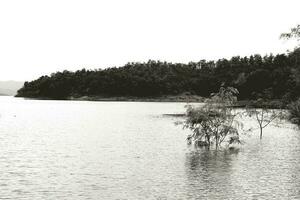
column 278, row 75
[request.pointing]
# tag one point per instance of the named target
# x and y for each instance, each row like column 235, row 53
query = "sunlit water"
column 124, row 150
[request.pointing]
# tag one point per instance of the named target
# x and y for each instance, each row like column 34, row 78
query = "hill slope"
column 278, row 76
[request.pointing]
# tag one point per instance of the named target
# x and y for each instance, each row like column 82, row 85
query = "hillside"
column 277, row 76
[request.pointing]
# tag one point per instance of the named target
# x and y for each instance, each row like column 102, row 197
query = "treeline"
column 278, row 75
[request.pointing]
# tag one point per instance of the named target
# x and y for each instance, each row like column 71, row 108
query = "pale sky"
column 38, row 37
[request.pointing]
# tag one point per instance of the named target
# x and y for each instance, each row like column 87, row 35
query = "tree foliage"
column 265, row 116
column 294, row 107
column 250, row 75
column 215, row 121
column 294, row 33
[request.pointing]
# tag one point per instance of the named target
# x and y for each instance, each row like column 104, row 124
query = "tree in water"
column 262, row 111
column 214, row 122
column 264, row 116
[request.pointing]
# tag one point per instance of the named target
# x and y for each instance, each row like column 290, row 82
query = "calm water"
column 123, row 150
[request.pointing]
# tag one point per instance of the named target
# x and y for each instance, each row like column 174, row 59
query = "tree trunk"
column 208, row 142
column 261, row 132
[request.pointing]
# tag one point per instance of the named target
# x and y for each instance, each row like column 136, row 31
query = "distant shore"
column 272, row 104
column 164, row 98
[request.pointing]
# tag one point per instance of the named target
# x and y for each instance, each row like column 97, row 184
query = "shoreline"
column 271, row 104
column 166, row 98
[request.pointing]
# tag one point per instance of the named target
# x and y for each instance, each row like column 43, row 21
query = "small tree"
column 263, row 112
column 214, row 122
column 263, row 116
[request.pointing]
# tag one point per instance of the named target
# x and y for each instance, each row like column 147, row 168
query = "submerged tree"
column 262, row 110
column 214, row 123
column 264, row 116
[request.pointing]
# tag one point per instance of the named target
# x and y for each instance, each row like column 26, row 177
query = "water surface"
column 130, row 150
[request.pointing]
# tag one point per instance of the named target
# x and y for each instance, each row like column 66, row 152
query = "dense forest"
column 277, row 75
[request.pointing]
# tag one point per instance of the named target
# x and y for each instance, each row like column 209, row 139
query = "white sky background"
column 39, row 37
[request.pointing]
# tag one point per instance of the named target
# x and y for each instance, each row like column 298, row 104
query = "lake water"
column 130, row 150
